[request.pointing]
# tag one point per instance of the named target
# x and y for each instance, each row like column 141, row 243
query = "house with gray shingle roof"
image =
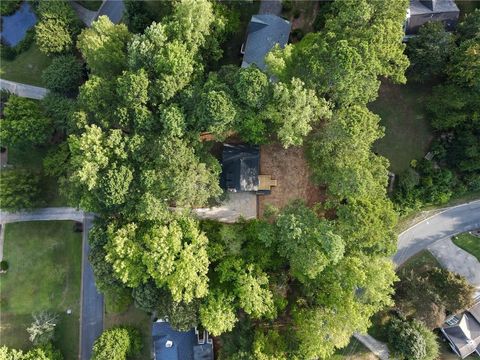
column 263, row 33
column 464, row 337
column 422, row 11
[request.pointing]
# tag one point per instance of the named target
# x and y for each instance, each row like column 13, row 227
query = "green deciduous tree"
column 294, row 110
column 412, row 340
column 342, row 62
column 469, row 28
column 217, row 314
column 352, row 130
column 63, row 75
column 20, row 190
column 24, row 123
column 147, row 296
column 58, row 26
column 307, row 242
column 177, row 162
column 429, row 51
column 104, row 46
column 117, row 344
column 464, row 69
column 253, row 294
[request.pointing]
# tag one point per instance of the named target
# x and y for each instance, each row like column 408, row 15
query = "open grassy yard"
column 44, row 274
column 423, row 259
column 138, row 319
column 27, row 67
column 468, row 242
column 407, row 132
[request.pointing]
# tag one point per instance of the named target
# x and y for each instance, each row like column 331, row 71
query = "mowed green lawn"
column 407, row 131
column 44, row 274
column 26, row 68
column 469, row 243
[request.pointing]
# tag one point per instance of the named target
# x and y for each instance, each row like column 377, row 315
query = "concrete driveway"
column 457, row 260
column 449, row 222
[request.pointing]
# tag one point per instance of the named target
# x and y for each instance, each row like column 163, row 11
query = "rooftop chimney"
column 168, row 343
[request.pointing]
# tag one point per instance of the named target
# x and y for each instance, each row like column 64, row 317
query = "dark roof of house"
column 418, row 7
column 475, row 311
column 240, row 167
column 464, row 336
column 185, row 344
column 263, row 32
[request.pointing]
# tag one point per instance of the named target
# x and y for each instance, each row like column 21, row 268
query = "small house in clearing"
column 464, row 336
column 263, row 33
column 170, row 344
column 422, row 11
column 241, row 170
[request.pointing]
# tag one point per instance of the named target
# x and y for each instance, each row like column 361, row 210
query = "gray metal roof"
column 418, row 7
column 264, row 31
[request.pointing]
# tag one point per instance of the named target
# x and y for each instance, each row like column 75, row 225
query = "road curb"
column 439, row 213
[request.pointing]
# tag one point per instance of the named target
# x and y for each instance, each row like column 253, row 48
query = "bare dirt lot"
column 290, row 169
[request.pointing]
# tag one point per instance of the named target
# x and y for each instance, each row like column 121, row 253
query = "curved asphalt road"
column 91, row 306
column 449, row 222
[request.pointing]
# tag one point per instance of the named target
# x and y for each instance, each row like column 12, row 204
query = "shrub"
column 405, row 341
column 24, row 123
column 117, row 344
column 20, row 190
column 63, row 75
column 58, row 27
column 3, row 265
column 411, row 340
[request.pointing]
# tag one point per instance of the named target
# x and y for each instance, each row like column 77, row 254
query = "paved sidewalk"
column 23, row 90
column 377, row 347
column 457, row 260
column 44, row 214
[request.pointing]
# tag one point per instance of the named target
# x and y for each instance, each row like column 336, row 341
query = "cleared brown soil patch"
column 289, row 167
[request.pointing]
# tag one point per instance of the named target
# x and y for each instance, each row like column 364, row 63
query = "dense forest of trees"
column 298, row 283
column 451, row 62
column 133, row 151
